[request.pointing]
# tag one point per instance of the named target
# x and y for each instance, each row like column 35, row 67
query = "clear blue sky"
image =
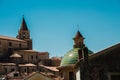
column 53, row 23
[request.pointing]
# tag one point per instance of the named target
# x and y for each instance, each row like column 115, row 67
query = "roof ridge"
column 10, row 38
column 105, row 50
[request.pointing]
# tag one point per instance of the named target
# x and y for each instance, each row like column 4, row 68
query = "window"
column 36, row 57
column 10, row 44
column 19, row 45
column 21, row 56
column 15, row 74
column 25, row 70
column 71, row 75
column 31, row 56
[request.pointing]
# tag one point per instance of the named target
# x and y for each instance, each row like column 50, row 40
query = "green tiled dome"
column 71, row 57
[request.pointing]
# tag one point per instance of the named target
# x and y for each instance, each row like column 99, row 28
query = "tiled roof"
column 8, row 64
column 105, row 51
column 15, row 55
column 38, row 76
column 28, row 65
column 11, row 38
column 33, row 51
column 102, row 55
column 28, row 50
column 50, row 68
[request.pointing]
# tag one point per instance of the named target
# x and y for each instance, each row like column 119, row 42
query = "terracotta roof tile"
column 8, row 64
column 50, row 68
column 28, row 50
column 117, row 46
column 15, row 55
column 28, row 65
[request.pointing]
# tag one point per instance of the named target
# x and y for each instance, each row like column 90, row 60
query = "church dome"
column 71, row 57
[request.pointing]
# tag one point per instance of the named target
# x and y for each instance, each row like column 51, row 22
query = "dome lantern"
column 78, row 40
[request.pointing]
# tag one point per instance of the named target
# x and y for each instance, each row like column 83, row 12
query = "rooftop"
column 10, row 38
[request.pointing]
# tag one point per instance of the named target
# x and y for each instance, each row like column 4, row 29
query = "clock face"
column 24, row 35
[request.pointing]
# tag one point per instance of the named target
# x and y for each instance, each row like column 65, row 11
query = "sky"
column 53, row 23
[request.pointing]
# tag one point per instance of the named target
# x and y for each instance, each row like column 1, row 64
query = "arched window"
column 10, row 44
column 19, row 45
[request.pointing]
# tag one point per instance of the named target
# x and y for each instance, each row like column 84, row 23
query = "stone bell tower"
column 24, row 34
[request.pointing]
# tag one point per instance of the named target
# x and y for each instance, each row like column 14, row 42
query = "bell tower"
column 24, row 34
column 78, row 40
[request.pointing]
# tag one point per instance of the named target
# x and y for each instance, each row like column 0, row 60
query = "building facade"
column 103, row 65
column 21, row 45
column 21, row 42
column 18, row 60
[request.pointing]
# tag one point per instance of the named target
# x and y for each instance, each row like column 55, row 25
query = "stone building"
column 21, row 45
column 103, row 65
column 18, row 59
column 10, row 44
